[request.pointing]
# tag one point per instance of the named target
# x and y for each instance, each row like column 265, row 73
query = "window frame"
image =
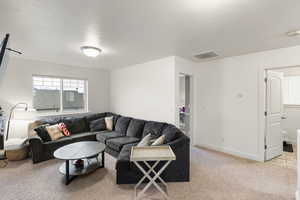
column 61, row 109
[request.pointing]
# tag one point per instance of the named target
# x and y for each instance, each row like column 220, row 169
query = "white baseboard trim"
column 231, row 152
column 297, row 195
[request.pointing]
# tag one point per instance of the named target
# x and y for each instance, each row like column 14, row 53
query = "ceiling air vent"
column 206, row 55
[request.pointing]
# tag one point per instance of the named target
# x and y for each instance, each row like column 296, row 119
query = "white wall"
column 16, row 85
column 232, row 101
column 145, row 90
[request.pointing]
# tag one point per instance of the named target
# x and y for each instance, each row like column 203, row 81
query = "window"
column 291, row 90
column 59, row 94
column 73, row 94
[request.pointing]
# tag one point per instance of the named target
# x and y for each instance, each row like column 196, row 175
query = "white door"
column 274, row 109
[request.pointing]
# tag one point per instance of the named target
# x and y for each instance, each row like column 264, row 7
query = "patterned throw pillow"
column 54, row 132
column 63, row 128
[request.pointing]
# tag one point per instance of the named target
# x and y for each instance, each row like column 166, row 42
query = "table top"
column 79, row 150
column 152, row 153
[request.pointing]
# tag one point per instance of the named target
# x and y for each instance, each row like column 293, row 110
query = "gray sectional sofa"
column 127, row 132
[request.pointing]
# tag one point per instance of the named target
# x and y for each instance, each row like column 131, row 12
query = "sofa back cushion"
column 170, row 132
column 92, row 117
column 97, row 125
column 76, row 125
column 155, row 128
column 122, row 125
column 52, row 120
column 135, row 128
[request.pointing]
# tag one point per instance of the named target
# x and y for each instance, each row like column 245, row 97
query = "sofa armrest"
column 179, row 143
column 35, row 143
column 35, row 140
column 36, row 148
column 1, row 141
column 181, row 166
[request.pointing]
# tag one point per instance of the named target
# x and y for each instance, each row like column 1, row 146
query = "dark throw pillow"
column 76, row 125
column 98, row 125
column 135, row 128
column 122, row 125
column 154, row 127
column 170, row 132
column 43, row 133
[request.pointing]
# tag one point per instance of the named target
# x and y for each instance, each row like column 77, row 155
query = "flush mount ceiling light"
column 293, row 33
column 90, row 51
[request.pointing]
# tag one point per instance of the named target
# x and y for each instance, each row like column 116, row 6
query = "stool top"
column 152, row 153
column 2, row 155
column 14, row 144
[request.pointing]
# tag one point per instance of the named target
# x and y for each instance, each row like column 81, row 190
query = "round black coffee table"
column 88, row 152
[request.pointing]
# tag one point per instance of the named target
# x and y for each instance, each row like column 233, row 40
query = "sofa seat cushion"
column 122, row 125
column 87, row 136
column 155, row 128
column 53, row 145
column 123, row 162
column 135, row 128
column 103, row 136
column 117, row 143
column 126, row 151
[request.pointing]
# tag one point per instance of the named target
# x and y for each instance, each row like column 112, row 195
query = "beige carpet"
column 214, row 176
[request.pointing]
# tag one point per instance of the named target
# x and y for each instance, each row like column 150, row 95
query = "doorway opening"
column 282, row 115
column 185, row 108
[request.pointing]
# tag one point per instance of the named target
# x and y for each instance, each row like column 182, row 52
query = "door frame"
column 192, row 107
column 262, row 100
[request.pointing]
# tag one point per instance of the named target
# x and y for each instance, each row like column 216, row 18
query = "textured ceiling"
column 136, row 31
